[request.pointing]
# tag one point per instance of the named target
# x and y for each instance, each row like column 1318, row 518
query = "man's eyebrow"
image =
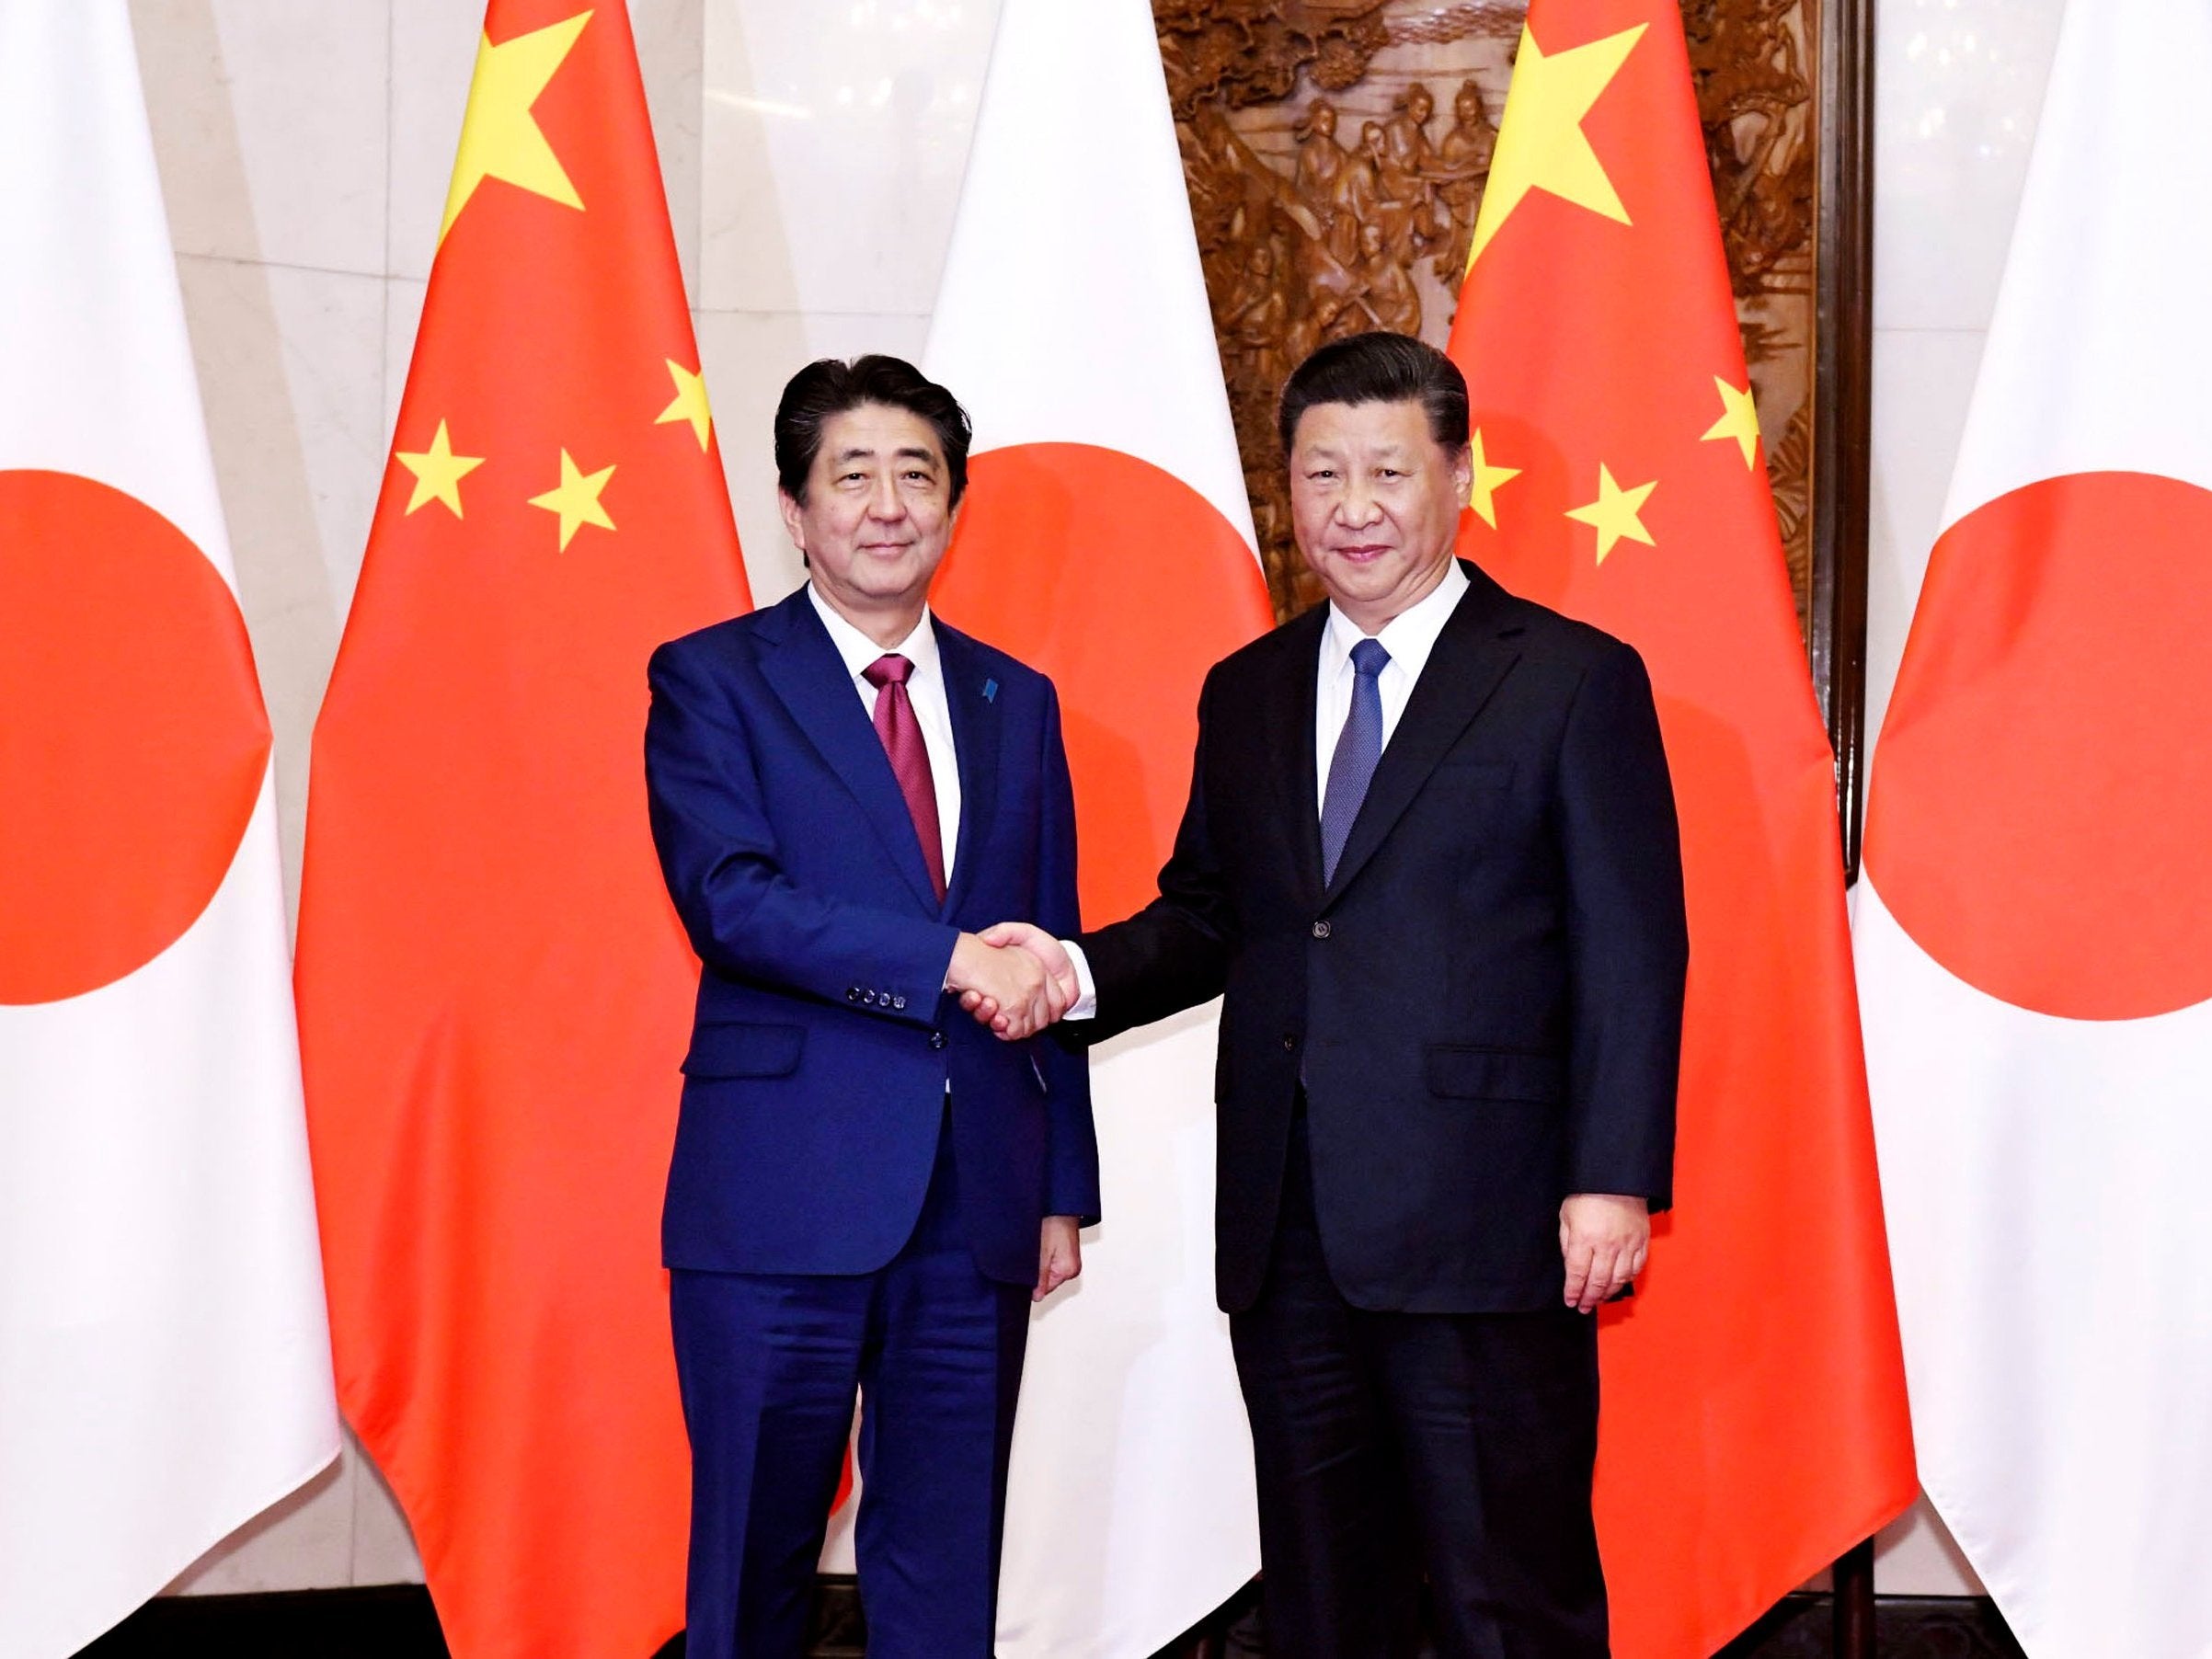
column 911, row 453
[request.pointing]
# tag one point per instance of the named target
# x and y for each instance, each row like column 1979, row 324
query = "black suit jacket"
column 1484, row 1004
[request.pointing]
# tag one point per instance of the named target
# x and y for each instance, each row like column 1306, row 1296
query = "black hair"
column 828, row 387
column 1379, row 368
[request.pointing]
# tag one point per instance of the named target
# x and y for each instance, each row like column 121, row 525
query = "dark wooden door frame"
column 1843, row 377
column 1836, row 630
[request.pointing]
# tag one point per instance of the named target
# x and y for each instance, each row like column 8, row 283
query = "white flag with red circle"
column 2034, row 929
column 1106, row 539
column 165, row 1364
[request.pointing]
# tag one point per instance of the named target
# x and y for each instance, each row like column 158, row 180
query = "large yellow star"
column 1739, row 419
column 690, row 401
column 499, row 137
column 577, row 499
column 1540, row 143
column 1487, row 479
column 1613, row 513
column 438, row 472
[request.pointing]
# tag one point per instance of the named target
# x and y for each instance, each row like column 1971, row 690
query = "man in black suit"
column 1430, row 855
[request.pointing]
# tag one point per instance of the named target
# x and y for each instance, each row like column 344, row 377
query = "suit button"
column 1321, row 930
column 852, row 994
column 1289, row 1040
column 936, row 1039
column 899, row 1001
column 869, row 997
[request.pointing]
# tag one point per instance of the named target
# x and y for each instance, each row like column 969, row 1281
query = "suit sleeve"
column 1628, row 935
column 718, row 849
column 1071, row 1165
column 1174, row 953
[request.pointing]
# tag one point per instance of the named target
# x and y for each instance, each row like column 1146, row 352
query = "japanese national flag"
column 1106, row 539
column 2035, row 931
column 164, row 1367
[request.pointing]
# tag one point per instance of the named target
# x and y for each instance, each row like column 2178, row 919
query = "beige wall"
column 812, row 153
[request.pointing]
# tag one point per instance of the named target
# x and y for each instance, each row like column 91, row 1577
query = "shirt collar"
column 1409, row 636
column 858, row 652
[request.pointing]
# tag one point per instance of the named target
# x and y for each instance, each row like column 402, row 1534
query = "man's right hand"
column 1052, row 960
column 1021, row 998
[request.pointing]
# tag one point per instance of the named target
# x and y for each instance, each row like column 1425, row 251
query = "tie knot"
column 1370, row 658
column 890, row 668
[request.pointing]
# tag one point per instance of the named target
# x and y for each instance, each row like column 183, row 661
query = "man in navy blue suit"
column 866, row 1190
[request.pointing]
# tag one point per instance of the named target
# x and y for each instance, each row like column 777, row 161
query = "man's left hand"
column 1605, row 1237
column 1059, row 1256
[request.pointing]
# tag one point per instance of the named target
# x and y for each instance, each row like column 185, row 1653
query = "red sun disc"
column 133, row 742
column 2041, row 807
column 1125, row 585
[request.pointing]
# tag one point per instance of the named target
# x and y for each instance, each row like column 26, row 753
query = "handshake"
column 1015, row 977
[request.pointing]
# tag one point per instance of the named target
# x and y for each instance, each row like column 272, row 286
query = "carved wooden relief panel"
column 1337, row 151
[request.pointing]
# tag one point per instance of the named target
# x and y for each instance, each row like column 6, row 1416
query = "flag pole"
column 1836, row 615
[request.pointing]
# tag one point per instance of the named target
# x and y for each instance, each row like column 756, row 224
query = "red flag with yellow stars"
column 494, row 991
column 1754, row 1424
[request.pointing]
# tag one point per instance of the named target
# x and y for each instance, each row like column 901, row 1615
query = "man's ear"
column 794, row 525
column 1462, row 472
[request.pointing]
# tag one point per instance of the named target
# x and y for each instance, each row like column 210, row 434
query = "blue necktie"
column 1358, row 748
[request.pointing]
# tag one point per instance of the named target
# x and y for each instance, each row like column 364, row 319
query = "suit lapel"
column 976, row 734
column 809, row 677
column 1291, row 746
column 1462, row 672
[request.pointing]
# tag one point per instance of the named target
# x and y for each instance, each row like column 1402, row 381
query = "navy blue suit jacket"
column 823, row 1042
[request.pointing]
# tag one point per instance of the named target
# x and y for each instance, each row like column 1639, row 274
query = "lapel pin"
column 991, row 691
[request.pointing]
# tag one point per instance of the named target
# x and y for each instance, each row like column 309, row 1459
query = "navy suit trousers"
column 769, row 1364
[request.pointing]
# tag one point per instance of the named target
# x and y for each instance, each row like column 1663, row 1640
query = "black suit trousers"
column 1396, row 1447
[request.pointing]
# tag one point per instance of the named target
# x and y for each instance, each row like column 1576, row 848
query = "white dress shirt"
column 1409, row 637
column 925, row 690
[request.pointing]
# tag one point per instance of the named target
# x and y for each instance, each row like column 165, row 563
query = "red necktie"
column 902, row 735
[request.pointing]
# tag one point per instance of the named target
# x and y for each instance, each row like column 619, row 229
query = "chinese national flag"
column 494, row 992
column 1754, row 1423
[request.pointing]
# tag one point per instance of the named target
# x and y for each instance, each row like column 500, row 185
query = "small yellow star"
column 1613, row 513
column 1739, row 419
column 690, row 401
column 1487, row 479
column 499, row 137
column 438, row 472
column 1541, row 144
column 577, row 499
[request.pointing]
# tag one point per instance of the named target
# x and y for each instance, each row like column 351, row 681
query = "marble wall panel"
column 671, row 59
column 434, row 56
column 291, row 367
column 383, row 1549
column 403, row 317
column 303, row 1541
column 835, row 137
column 274, row 116
column 1916, row 1556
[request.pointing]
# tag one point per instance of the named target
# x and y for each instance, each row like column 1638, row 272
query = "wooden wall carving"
column 1337, row 151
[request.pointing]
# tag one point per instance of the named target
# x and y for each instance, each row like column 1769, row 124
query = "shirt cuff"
column 1086, row 1006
